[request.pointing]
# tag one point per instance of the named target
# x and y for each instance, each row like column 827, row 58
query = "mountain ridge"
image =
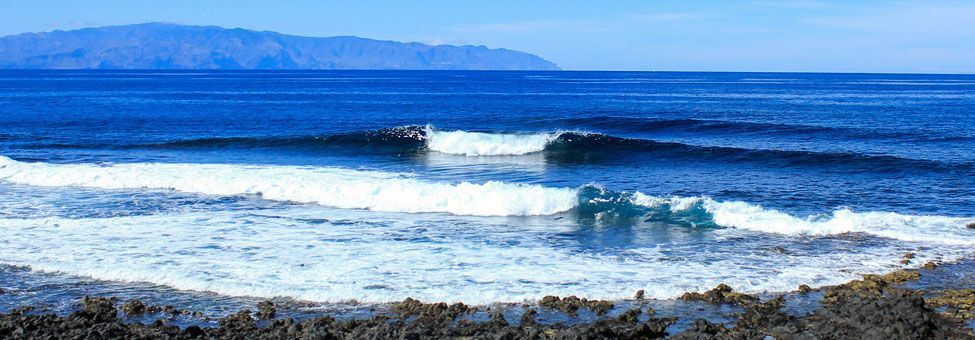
column 172, row 46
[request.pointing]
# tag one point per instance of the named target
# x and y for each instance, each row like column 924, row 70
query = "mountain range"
column 172, row 46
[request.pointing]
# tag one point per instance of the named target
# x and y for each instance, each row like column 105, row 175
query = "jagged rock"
column 959, row 303
column 266, row 310
column 241, row 322
column 133, row 308
column 570, row 305
column 870, row 285
column 804, row 289
column 907, row 258
column 171, row 310
column 720, row 294
column 529, row 317
column 639, row 294
column 412, row 307
column 98, row 309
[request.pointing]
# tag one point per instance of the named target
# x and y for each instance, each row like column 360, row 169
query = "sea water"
column 480, row 187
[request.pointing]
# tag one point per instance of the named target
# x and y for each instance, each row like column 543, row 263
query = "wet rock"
column 930, row 265
column 133, row 308
column 266, row 310
column 2, row 291
column 98, row 309
column 720, row 294
column 171, row 310
column 958, row 303
column 194, row 332
column 153, row 309
column 639, row 294
column 497, row 317
column 198, row 314
column 970, row 225
column 241, row 322
column 804, row 289
column 870, row 285
column 570, row 305
column 412, row 307
column 651, row 311
column 899, row 314
column 529, row 317
column 907, row 258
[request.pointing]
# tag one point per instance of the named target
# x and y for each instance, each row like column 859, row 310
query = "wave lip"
column 334, row 187
column 487, row 144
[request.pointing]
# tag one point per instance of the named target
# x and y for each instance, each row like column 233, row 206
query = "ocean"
column 339, row 187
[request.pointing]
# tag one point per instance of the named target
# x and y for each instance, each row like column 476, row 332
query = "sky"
column 934, row 36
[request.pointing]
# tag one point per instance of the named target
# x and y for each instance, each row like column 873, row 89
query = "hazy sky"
column 811, row 35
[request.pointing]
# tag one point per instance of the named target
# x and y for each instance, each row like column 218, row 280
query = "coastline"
column 924, row 302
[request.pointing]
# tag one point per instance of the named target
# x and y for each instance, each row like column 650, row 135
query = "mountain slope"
column 169, row 46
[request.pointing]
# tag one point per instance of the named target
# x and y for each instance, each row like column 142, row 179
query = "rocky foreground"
column 871, row 308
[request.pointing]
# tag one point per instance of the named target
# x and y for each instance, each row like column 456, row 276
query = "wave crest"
column 487, row 144
column 394, row 192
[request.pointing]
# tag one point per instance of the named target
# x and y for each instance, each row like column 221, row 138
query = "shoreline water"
column 929, row 301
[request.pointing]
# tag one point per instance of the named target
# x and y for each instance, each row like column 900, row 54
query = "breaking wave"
column 569, row 147
column 395, row 192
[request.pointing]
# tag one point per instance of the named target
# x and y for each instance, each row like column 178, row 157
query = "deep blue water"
column 805, row 143
column 768, row 160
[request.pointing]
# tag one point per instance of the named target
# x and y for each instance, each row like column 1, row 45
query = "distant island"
column 171, row 46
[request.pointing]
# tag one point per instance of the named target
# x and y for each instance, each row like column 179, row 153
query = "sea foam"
column 486, row 144
column 398, row 192
column 334, row 187
column 384, row 257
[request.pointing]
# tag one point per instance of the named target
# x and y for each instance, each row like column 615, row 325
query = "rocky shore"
column 875, row 307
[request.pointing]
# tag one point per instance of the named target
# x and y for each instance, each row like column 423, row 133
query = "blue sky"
column 756, row 35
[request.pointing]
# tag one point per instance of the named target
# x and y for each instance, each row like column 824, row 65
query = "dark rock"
column 958, row 303
column 412, row 307
column 241, row 322
column 133, row 308
column 266, row 310
column 171, row 310
column 529, row 317
column 194, row 332
column 570, row 305
column 907, row 258
column 720, row 294
column 970, row 225
column 870, row 285
column 98, row 309
column 930, row 265
column 639, row 294
column 804, row 289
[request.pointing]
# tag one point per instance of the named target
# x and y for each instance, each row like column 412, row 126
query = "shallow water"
column 481, row 187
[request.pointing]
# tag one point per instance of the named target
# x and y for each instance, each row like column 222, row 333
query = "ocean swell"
column 395, row 192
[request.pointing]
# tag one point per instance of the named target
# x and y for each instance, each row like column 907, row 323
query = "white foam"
column 394, row 192
column 742, row 215
column 383, row 257
column 334, row 187
column 487, row 144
